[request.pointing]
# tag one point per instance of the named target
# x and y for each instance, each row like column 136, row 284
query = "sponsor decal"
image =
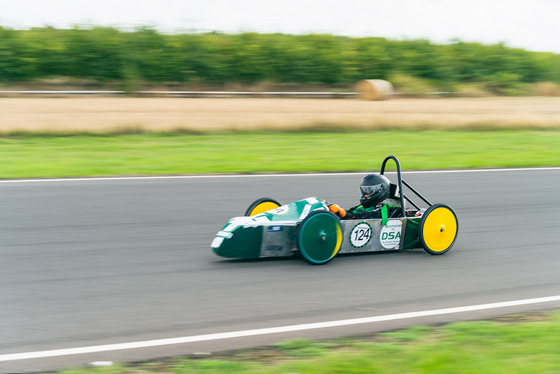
column 275, row 228
column 390, row 236
column 360, row 235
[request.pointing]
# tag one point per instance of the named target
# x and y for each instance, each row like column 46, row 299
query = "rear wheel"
column 438, row 229
column 320, row 237
column 262, row 205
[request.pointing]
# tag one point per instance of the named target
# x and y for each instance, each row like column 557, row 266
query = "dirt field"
column 167, row 114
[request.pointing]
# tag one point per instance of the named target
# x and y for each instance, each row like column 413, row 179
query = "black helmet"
column 374, row 188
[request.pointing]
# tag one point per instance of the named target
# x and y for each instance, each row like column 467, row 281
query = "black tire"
column 320, row 237
column 262, row 205
column 438, row 229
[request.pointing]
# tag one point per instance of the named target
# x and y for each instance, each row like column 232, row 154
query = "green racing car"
column 310, row 228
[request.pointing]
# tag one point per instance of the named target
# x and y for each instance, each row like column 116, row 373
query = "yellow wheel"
column 438, row 229
column 264, row 204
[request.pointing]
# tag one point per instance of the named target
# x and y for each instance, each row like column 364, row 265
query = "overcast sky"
column 529, row 24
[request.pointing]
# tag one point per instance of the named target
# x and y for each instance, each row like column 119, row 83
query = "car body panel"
column 274, row 233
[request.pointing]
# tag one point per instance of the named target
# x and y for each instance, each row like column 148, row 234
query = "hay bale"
column 374, row 89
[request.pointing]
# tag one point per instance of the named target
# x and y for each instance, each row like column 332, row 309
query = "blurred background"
column 473, row 48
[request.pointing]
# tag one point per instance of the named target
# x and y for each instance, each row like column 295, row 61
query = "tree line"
column 146, row 56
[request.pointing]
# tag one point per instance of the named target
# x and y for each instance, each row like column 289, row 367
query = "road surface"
column 89, row 262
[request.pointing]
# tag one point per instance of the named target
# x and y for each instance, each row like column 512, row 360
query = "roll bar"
column 400, row 184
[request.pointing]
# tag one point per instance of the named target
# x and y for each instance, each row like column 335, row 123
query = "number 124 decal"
column 360, row 235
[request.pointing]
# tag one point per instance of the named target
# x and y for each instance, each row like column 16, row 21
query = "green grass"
column 526, row 344
column 43, row 156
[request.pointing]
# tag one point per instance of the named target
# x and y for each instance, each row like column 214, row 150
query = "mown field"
column 127, row 114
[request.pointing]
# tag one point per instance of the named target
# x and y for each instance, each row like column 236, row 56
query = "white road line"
column 271, row 330
column 287, row 175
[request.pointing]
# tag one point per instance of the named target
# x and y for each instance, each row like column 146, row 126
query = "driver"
column 375, row 188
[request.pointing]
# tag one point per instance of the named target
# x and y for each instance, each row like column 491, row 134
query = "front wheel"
column 438, row 229
column 262, row 205
column 320, row 237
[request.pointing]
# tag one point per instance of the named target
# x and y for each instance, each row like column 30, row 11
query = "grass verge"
column 526, row 343
column 48, row 156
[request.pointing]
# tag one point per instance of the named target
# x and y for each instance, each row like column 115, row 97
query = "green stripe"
column 384, row 215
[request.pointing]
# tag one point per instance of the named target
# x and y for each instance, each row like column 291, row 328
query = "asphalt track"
column 96, row 262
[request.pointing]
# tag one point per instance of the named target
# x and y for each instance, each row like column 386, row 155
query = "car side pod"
column 237, row 242
column 319, row 237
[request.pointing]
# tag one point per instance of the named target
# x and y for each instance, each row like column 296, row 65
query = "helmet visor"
column 368, row 191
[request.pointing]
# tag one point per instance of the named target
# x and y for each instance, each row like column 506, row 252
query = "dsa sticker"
column 390, row 236
column 360, row 235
